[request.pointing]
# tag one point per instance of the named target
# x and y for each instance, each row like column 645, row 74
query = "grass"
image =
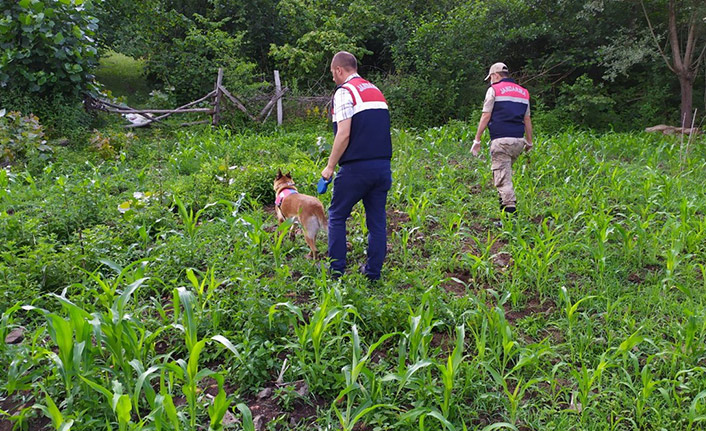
column 124, row 77
column 156, row 280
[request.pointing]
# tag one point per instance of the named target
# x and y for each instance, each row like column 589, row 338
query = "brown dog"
column 305, row 209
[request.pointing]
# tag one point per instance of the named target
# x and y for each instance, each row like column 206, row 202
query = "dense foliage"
column 430, row 58
column 156, row 290
column 47, row 46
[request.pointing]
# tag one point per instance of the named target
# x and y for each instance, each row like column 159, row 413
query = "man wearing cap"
column 362, row 147
column 506, row 114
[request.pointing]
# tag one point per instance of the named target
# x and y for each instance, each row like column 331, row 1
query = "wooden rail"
column 215, row 112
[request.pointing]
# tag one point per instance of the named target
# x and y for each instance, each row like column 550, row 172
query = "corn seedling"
column 450, row 370
column 119, row 402
column 417, row 209
column 571, row 309
column 278, row 239
column 351, row 373
column 52, row 411
column 255, row 230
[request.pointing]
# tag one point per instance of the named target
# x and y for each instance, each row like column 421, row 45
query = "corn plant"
column 537, row 258
column 641, row 392
column 404, row 235
column 515, row 386
column 255, row 230
column 189, row 219
column 52, row 411
column 352, row 372
column 278, row 238
column 697, row 410
column 449, row 371
column 218, row 408
column 119, row 402
column 587, row 379
column 417, row 209
column 248, row 424
column 570, row 309
column 319, row 332
column 481, row 266
column 600, row 226
column 206, row 288
column 420, row 414
column 421, row 323
column 188, row 371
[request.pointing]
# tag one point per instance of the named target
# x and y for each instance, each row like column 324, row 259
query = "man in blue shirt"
column 362, row 147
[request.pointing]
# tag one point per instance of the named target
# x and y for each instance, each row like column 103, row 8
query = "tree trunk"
column 686, row 83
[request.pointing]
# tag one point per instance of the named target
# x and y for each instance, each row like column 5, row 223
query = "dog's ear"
column 279, row 174
column 289, row 175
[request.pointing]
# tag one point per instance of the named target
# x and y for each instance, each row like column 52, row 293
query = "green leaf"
column 56, row 417
column 170, row 408
column 248, row 424
column 193, row 365
column 499, row 425
column 59, row 38
column 24, row 3
column 123, row 408
column 99, row 388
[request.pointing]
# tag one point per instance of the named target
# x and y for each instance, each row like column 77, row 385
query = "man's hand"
column 475, row 149
column 528, row 146
column 327, row 173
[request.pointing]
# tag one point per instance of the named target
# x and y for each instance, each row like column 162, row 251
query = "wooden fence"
column 147, row 116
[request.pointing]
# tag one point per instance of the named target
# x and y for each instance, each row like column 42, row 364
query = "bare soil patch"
column 533, row 306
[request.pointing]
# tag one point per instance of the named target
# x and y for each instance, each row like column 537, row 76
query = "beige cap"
column 497, row 67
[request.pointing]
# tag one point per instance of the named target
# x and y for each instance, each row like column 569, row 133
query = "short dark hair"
column 503, row 74
column 345, row 60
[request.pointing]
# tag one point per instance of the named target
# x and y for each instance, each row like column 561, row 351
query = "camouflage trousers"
column 503, row 153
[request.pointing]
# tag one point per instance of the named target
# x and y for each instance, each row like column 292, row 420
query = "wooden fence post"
column 217, row 98
column 278, row 89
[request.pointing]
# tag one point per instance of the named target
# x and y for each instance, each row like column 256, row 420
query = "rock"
column 229, row 419
column 15, row 336
column 302, row 388
column 265, row 393
column 258, row 422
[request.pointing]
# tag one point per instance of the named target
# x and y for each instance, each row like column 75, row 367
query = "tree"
column 47, row 46
column 685, row 17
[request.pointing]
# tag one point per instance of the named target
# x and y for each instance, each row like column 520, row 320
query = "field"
column 155, row 290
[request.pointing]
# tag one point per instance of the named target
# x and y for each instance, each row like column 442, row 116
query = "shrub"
column 47, row 46
column 189, row 64
column 586, row 103
column 61, row 115
column 109, row 144
column 21, row 138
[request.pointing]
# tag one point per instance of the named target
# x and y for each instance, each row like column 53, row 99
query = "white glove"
column 475, row 149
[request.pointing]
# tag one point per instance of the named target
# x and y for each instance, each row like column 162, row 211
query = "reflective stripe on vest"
column 507, row 118
column 370, row 124
column 365, row 95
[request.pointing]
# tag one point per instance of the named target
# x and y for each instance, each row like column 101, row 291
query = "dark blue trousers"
column 369, row 181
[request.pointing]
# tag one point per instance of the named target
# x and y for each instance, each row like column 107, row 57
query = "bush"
column 109, row 144
column 47, row 46
column 190, row 63
column 21, row 138
column 586, row 103
column 61, row 115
